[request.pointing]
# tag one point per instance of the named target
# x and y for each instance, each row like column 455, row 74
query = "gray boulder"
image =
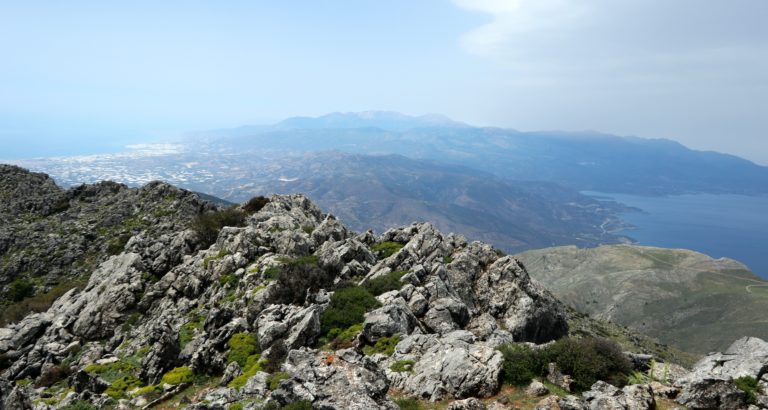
column 344, row 380
column 712, row 394
column 451, row 366
column 603, row 396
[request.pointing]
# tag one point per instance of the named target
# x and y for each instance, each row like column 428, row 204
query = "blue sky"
column 83, row 76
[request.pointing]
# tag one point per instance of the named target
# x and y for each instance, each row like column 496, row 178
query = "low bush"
column 386, row 249
column 118, row 388
column 20, row 289
column 749, row 386
column 253, row 366
column 116, row 245
column 79, row 405
column 407, row 403
column 521, row 364
column 274, row 379
column 112, row 371
column 385, row 283
column 348, row 307
column 207, row 225
column 299, row 275
column 586, row 360
column 178, row 375
column 402, row 366
column 589, row 360
column 385, row 346
column 37, row 303
column 342, row 339
column 255, row 204
column 241, row 347
column 53, row 374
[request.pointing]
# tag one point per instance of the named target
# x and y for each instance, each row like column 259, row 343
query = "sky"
column 84, row 76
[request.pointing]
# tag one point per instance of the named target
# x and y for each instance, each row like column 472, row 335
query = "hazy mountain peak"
column 386, row 120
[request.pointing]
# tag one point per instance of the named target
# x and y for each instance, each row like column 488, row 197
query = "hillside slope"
column 681, row 297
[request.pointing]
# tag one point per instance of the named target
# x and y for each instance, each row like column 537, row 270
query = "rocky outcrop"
column 248, row 313
column 710, row 382
column 453, row 365
column 603, row 396
column 342, row 380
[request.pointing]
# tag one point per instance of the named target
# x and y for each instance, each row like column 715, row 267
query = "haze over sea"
column 732, row 226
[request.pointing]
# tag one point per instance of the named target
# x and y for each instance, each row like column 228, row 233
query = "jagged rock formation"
column 710, row 384
column 458, row 302
column 242, row 320
column 52, row 239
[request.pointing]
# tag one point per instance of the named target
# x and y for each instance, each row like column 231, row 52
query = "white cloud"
column 514, row 19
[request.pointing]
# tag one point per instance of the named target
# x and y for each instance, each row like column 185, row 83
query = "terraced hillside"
column 681, row 297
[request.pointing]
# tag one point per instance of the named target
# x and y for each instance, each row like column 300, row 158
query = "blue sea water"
column 732, row 226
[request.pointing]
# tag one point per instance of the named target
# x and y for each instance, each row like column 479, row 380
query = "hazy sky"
column 75, row 74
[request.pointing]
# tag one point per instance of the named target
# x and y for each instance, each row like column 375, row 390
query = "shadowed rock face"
column 51, row 239
column 456, row 303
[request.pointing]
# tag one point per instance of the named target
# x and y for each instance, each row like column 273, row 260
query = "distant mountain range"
column 517, row 190
column 582, row 161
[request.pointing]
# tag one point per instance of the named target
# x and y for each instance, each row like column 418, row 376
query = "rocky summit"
column 287, row 308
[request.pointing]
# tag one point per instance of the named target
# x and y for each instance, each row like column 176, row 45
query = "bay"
column 732, row 226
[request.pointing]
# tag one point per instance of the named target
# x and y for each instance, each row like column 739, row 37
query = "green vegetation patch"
column 255, row 204
column 407, row 403
column 242, row 346
column 208, row 225
column 402, row 366
column 207, row 260
column 385, row 346
column 273, row 380
column 386, row 249
column 342, row 339
column 111, row 372
column 79, row 405
column 178, row 375
column 119, row 388
column 521, row 364
column 348, row 307
column 252, row 366
column 190, row 329
column 749, row 386
column 20, row 289
column 385, row 283
column 586, row 360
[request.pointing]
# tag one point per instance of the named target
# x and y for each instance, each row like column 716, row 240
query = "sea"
column 732, row 226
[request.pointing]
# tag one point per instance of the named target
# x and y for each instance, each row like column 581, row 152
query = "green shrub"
column 299, row 275
column 235, row 406
column 407, row 403
column 241, row 347
column 37, row 303
column 226, row 280
column 116, row 245
column 749, row 386
column 191, row 328
column 298, row 405
column 20, row 289
column 521, row 364
column 385, row 346
column 342, row 339
column 274, row 379
column 149, row 390
column 386, row 249
column 272, row 273
column 111, row 371
column 118, row 388
column 255, row 204
column 447, row 259
column 253, row 366
column 208, row 225
column 178, row 375
column 589, row 360
column 347, row 308
column 79, row 405
column 385, row 283
column 402, row 366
